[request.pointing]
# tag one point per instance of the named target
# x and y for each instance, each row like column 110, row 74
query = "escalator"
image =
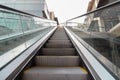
column 57, row 60
column 29, row 52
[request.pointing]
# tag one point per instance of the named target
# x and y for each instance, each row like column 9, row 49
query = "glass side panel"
column 18, row 32
column 101, row 30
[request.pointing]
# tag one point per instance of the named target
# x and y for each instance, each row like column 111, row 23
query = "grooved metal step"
column 57, row 61
column 55, row 73
column 59, row 38
column 58, row 45
column 58, row 41
column 58, row 51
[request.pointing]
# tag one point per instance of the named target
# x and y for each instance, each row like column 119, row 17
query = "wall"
column 30, row 6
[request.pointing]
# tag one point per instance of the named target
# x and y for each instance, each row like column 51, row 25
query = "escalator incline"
column 57, row 60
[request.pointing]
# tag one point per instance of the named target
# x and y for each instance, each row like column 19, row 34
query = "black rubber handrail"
column 98, row 9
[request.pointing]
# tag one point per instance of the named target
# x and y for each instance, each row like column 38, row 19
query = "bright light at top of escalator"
column 66, row 9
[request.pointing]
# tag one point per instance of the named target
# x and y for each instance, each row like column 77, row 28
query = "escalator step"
column 55, row 73
column 57, row 61
column 58, row 45
column 58, row 51
column 58, row 41
column 59, row 38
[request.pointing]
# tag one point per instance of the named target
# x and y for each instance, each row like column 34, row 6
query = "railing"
column 18, row 31
column 99, row 33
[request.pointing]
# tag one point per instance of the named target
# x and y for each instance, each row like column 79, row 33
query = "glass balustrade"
column 101, row 30
column 18, row 32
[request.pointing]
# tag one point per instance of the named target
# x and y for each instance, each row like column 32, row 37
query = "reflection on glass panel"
column 101, row 30
column 18, row 32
